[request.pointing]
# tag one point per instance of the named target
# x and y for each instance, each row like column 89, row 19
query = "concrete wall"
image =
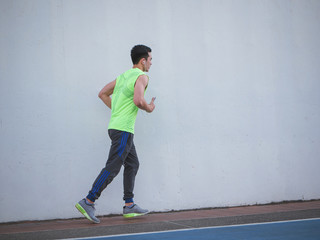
column 237, row 111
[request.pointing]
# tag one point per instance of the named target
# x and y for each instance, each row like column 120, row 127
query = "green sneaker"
column 87, row 210
column 134, row 211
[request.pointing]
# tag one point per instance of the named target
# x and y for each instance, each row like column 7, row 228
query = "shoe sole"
column 131, row 215
column 84, row 213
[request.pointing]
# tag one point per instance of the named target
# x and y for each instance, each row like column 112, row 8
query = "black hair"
column 138, row 52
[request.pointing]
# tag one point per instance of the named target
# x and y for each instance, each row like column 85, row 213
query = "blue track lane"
column 290, row 230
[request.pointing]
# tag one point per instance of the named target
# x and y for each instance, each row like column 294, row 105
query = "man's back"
column 123, row 110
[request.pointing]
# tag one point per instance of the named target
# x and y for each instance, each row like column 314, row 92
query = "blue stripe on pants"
column 123, row 143
column 99, row 183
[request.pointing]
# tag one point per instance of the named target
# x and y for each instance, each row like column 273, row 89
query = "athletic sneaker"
column 134, row 211
column 87, row 210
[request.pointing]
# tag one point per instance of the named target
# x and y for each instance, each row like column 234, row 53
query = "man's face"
column 148, row 63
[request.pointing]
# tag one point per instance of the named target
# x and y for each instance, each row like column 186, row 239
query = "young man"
column 127, row 96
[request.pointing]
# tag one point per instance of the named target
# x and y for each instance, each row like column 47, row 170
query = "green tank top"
column 123, row 110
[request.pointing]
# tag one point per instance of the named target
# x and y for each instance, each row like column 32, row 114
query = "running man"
column 127, row 97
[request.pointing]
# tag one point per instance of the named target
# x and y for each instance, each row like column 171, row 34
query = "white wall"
column 237, row 111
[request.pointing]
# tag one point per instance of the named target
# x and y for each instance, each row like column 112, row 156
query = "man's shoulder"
column 134, row 73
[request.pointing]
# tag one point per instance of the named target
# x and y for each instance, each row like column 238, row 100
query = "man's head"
column 141, row 56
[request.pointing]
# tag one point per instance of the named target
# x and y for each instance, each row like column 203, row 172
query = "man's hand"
column 151, row 105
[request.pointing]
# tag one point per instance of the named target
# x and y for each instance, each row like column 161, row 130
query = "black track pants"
column 122, row 152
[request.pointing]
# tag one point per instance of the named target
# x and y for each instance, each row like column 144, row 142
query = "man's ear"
column 142, row 61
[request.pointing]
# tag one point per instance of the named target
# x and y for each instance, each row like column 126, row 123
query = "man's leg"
column 131, row 165
column 118, row 152
column 115, row 160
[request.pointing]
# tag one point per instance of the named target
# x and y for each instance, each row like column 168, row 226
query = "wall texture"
column 237, row 111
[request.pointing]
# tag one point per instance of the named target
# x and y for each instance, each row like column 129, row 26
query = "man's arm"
column 106, row 92
column 138, row 97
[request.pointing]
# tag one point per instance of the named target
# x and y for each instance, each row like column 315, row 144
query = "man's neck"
column 138, row 66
